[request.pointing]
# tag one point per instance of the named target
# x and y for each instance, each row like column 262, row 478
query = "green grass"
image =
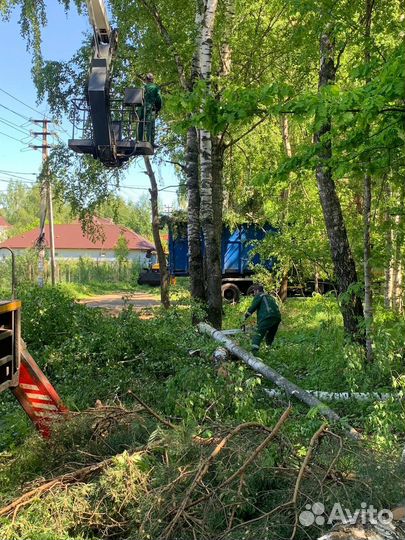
column 91, row 356
column 310, row 347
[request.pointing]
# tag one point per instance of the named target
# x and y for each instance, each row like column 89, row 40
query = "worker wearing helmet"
column 153, row 104
column 268, row 317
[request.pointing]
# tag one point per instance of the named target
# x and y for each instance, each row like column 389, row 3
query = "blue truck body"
column 236, row 250
column 237, row 262
column 237, row 258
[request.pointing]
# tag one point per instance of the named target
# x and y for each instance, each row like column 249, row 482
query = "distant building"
column 4, row 226
column 71, row 243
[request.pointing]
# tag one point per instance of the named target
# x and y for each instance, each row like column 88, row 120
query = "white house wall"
column 94, row 254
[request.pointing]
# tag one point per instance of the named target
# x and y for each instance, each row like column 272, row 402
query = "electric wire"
column 147, row 188
column 32, row 109
column 15, row 112
column 10, row 125
column 22, row 102
column 3, row 171
column 13, row 138
column 14, row 177
column 20, row 126
column 25, row 181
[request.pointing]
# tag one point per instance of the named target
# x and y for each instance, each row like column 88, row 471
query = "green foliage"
column 89, row 355
column 134, row 215
column 86, row 271
column 121, row 250
column 273, row 76
column 20, row 204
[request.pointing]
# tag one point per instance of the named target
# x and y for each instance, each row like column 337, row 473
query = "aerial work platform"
column 113, row 134
column 111, row 130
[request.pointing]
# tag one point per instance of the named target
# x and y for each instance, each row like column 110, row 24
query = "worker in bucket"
column 268, row 317
column 147, row 115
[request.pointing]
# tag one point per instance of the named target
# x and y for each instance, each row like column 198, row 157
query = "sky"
column 60, row 39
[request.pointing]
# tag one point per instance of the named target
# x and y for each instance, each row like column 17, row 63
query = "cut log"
column 341, row 396
column 367, row 531
column 290, row 388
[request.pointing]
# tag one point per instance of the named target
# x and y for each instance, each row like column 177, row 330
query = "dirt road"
column 116, row 302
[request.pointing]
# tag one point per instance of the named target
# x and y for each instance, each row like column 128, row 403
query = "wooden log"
column 341, row 396
column 290, row 388
column 367, row 531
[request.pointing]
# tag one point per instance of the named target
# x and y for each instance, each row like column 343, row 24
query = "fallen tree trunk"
column 367, row 531
column 341, row 396
column 290, row 388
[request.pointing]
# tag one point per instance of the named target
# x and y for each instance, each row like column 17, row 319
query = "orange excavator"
column 18, row 370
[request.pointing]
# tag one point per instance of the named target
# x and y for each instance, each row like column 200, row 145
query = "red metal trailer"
column 20, row 373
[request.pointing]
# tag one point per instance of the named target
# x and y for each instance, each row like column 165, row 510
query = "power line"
column 10, row 125
column 2, row 171
column 146, row 188
column 15, row 112
column 10, row 137
column 22, row 102
column 32, row 109
column 20, row 126
column 11, row 180
column 23, row 180
column 61, row 128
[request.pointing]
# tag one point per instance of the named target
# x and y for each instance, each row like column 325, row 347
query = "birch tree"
column 196, row 267
column 187, row 78
column 212, row 244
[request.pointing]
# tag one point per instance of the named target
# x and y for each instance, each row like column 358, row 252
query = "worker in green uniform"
column 147, row 115
column 268, row 317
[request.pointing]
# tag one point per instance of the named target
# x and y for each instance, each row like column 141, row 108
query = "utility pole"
column 46, row 206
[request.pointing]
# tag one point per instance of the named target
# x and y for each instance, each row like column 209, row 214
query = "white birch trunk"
column 212, row 247
column 290, row 388
column 396, row 280
column 388, row 292
column 368, row 531
column 341, row 396
column 368, row 299
column 207, row 30
column 399, row 289
column 226, row 49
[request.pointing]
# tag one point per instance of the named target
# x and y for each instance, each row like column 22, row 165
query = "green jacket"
column 266, row 307
column 153, row 98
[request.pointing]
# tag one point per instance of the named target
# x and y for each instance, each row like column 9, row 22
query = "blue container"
column 236, row 248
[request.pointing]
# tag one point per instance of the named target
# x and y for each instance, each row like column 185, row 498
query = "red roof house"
column 4, row 226
column 3, row 222
column 71, row 243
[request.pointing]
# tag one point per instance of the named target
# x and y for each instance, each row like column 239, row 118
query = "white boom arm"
column 99, row 20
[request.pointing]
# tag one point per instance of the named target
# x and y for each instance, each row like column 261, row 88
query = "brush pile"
column 113, row 472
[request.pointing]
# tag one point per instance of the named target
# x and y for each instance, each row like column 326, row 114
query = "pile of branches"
column 247, row 481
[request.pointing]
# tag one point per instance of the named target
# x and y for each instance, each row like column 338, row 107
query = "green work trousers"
column 146, row 129
column 266, row 328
